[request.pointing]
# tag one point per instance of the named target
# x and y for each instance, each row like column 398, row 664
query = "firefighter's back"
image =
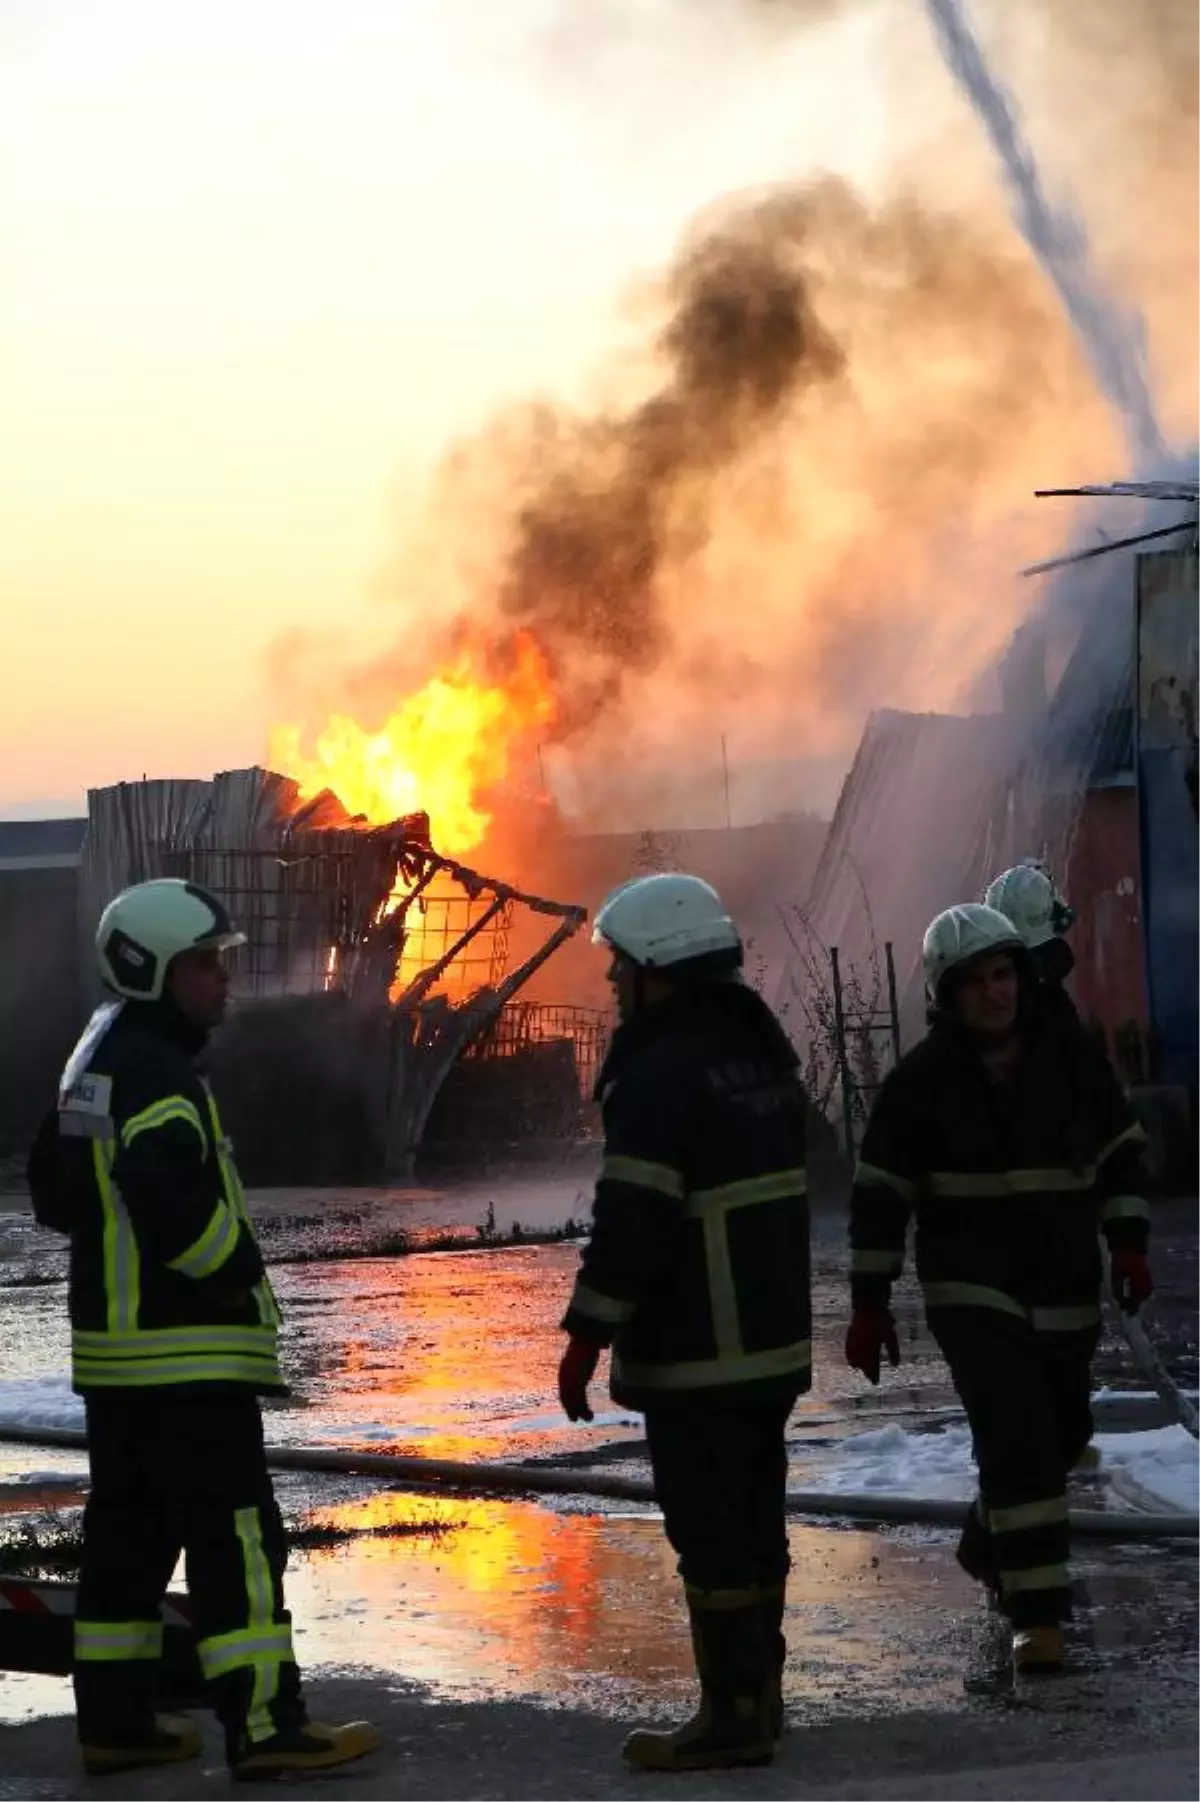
column 732, row 1311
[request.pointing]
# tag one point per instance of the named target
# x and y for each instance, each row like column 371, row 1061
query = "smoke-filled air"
column 801, row 484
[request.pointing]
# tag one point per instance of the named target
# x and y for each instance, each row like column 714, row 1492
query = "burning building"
column 373, row 963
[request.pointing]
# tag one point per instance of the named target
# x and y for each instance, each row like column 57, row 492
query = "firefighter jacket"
column 1009, row 1180
column 697, row 1269
column 167, row 1286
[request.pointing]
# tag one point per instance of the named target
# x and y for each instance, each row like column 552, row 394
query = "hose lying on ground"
column 404, row 1471
column 1149, row 1362
column 1153, row 1368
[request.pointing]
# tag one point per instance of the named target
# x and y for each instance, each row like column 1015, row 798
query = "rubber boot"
column 1038, row 1651
column 772, row 1604
column 976, row 1556
column 313, row 1747
column 117, row 1722
column 170, row 1740
column 737, row 1671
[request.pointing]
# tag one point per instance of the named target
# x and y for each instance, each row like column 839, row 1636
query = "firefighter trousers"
column 174, row 1472
column 720, row 1475
column 1027, row 1398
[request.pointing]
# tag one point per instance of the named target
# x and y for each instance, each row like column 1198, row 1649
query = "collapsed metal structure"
column 372, row 961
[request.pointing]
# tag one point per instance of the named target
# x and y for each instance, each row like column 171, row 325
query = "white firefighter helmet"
column 963, row 933
column 657, row 921
column 1027, row 896
column 146, row 926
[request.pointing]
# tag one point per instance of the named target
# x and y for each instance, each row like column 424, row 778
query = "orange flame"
column 440, row 753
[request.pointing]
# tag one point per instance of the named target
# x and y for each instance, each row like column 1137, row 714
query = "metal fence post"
column 839, row 1022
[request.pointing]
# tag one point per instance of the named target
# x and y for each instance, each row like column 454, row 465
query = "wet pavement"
column 573, row 1609
column 506, row 1655
column 449, row 1354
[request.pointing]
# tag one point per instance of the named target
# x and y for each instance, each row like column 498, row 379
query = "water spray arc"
column 1112, row 338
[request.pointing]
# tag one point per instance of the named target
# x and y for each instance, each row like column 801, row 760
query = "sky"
column 266, row 262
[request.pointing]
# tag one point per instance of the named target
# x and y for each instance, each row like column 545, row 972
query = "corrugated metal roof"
column 1087, row 735
column 905, row 840
column 1114, row 752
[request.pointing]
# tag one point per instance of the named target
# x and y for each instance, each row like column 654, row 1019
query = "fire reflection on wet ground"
column 586, row 1609
column 569, row 1607
column 453, row 1356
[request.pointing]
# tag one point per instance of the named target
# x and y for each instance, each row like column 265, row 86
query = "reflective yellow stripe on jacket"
column 122, row 1260
column 732, row 1363
column 235, row 1196
column 707, row 1373
column 1071, row 1319
column 161, row 1113
column 124, row 1355
column 216, row 1244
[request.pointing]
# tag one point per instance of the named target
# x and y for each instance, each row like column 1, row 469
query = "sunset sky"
column 266, row 261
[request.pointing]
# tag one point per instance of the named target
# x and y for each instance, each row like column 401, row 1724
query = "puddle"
column 586, row 1610
column 452, row 1355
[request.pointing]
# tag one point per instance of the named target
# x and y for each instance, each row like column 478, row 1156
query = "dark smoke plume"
column 817, row 351
column 625, row 492
column 846, row 404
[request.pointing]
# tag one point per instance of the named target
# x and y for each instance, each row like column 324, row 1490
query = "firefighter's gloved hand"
column 575, row 1372
column 1132, row 1283
column 871, row 1332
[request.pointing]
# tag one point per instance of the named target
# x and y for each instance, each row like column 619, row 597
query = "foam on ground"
column 40, row 1402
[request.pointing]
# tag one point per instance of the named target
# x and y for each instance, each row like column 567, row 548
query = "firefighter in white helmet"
column 1006, row 1134
column 173, row 1341
column 1028, row 896
column 697, row 1275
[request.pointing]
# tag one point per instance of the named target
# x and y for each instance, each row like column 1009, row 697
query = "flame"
column 443, row 748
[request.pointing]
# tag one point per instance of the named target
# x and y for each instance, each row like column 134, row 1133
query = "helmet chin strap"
column 1063, row 917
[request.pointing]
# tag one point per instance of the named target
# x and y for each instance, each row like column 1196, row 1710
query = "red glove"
column 575, row 1372
column 1132, row 1283
column 871, row 1332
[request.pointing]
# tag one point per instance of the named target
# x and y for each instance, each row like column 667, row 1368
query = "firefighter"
column 1007, row 1134
column 173, row 1341
column 697, row 1276
column 1028, row 896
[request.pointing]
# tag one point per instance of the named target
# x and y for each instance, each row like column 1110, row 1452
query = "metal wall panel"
column 1166, row 768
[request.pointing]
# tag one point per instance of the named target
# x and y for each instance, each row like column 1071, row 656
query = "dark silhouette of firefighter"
column 1007, row 1135
column 697, row 1276
column 1028, row 896
column 173, row 1341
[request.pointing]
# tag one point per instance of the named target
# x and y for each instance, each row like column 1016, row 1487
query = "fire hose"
column 1149, row 1362
column 405, row 1471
